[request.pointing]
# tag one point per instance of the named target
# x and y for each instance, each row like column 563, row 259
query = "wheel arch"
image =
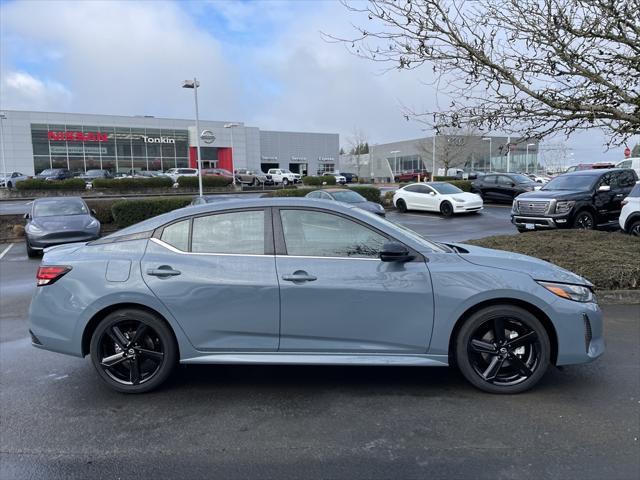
column 630, row 219
column 534, row 310
column 92, row 324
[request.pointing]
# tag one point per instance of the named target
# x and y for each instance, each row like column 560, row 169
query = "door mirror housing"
column 94, row 213
column 27, row 216
column 395, row 252
column 433, row 194
column 604, row 188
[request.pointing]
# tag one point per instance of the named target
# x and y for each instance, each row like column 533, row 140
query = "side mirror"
column 513, row 184
column 604, row 188
column 93, row 212
column 432, row 194
column 395, row 252
column 27, row 216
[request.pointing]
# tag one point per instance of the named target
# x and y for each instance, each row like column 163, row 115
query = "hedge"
column 290, row 192
column 318, row 181
column 370, row 193
column 604, row 258
column 443, row 179
column 129, row 212
column 207, row 181
column 134, row 183
column 464, row 185
column 102, row 208
column 41, row 184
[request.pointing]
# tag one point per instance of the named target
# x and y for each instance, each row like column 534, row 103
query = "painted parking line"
column 4, row 252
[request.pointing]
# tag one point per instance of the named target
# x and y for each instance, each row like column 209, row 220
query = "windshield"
column 445, row 188
column 285, row 171
column 521, row 178
column 348, row 197
column 64, row 206
column 49, row 171
column 94, row 172
column 571, row 182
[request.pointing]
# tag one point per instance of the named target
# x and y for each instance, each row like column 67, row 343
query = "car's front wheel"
column 634, row 228
column 584, row 220
column 402, row 206
column 446, row 209
column 503, row 349
column 285, row 182
column 133, row 350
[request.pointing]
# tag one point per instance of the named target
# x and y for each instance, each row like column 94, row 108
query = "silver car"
column 10, row 179
column 301, row 281
column 52, row 221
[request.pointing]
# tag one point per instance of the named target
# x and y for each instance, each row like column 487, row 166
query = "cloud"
column 23, row 90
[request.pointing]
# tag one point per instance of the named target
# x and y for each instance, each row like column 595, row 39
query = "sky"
column 261, row 62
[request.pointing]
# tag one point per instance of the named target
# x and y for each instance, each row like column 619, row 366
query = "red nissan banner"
column 77, row 136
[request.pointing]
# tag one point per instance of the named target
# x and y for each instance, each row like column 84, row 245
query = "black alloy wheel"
column 584, row 220
column 402, row 206
column 503, row 349
column 634, row 229
column 133, row 351
column 446, row 209
column 285, row 182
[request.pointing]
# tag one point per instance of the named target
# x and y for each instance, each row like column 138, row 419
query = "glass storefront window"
column 76, row 165
column 109, row 163
column 58, row 161
column 41, row 163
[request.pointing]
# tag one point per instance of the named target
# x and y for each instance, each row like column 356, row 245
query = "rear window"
column 636, row 191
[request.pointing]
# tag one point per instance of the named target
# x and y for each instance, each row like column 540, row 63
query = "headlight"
column 93, row 223
column 461, row 200
column 514, row 206
column 565, row 206
column 34, row 228
column 577, row 293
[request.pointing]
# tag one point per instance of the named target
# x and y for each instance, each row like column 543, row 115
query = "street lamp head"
column 394, row 151
column 190, row 84
column 531, row 144
column 486, row 138
column 231, row 125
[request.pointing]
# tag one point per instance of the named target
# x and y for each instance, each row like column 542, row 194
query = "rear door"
column 488, row 186
column 505, row 190
column 338, row 296
column 216, row 274
column 621, row 186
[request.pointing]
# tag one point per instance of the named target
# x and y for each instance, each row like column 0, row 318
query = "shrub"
column 209, row 181
column 134, row 183
column 102, row 209
column 464, row 185
column 328, row 180
column 128, row 212
column 311, row 180
column 592, row 254
column 388, row 198
column 370, row 193
column 41, row 184
column 290, row 192
column 443, row 179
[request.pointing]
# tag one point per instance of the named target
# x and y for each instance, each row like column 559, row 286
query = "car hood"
column 68, row 222
column 467, row 196
column 546, row 194
column 368, row 206
column 516, row 262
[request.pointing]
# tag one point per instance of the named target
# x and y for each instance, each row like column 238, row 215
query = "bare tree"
column 535, row 67
column 357, row 142
column 453, row 146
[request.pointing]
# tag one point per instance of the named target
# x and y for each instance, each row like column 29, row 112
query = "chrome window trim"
column 175, row 250
column 371, row 259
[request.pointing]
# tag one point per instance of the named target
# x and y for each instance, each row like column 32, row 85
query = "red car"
column 413, row 176
column 589, row 166
column 216, row 172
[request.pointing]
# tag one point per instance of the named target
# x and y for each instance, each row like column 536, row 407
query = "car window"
column 624, row 164
column 177, row 235
column 608, row 179
column 59, row 207
column 236, row 232
column 503, row 180
column 413, row 188
column 320, row 234
column 626, row 179
column 315, row 194
column 635, row 193
column 489, row 179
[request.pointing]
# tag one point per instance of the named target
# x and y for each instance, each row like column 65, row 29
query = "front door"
column 216, row 274
column 338, row 296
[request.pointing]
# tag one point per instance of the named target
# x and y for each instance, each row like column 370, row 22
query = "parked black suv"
column 54, row 174
column 583, row 199
column 502, row 187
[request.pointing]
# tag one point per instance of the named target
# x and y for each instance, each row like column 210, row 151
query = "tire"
column 402, row 206
column 155, row 353
column 31, row 253
column 285, row 182
column 502, row 369
column 446, row 209
column 584, row 220
column 254, row 182
column 634, row 228
column 9, row 185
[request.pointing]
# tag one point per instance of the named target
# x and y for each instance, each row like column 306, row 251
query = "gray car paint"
column 413, row 309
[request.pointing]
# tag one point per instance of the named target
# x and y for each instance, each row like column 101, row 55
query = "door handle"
column 163, row 271
column 299, row 276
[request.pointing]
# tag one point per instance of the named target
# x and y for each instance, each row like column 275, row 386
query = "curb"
column 618, row 297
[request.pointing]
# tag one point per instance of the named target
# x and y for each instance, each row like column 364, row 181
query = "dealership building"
column 34, row 141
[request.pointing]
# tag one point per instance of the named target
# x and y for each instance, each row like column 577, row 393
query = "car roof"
column 330, row 190
column 56, row 199
column 596, row 171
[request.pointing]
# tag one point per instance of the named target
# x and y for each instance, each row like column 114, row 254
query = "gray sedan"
column 52, row 221
column 347, row 196
column 301, row 281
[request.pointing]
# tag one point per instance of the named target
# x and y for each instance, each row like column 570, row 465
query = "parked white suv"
column 630, row 214
column 633, row 162
column 341, row 179
column 284, row 176
column 174, row 173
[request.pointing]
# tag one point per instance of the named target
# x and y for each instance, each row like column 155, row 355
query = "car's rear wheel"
column 133, row 351
column 446, row 209
column 31, row 253
column 503, row 349
column 402, row 206
column 634, row 228
column 584, row 220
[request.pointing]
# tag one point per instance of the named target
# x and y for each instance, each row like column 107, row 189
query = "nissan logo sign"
column 207, row 136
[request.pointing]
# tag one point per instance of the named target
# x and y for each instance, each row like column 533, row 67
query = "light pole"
column 4, row 166
column 395, row 163
column 490, row 166
column 195, row 84
column 527, row 156
column 232, row 126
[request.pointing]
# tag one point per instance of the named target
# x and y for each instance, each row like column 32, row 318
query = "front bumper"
column 467, row 207
column 40, row 243
column 580, row 334
column 546, row 222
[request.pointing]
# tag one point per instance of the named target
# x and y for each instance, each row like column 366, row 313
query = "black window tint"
column 412, row 188
column 177, row 235
column 320, row 234
column 504, row 180
column 236, row 232
column 607, row 179
column 489, row 179
column 626, row 179
column 636, row 191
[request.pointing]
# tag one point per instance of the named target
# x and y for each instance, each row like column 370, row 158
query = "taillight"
column 48, row 274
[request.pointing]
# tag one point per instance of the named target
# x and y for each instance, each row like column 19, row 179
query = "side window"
column 320, row 234
column 607, row 179
column 489, row 179
column 625, row 164
column 626, row 179
column 412, row 188
column 325, row 196
column 235, row 232
column 177, row 235
column 315, row 194
column 503, row 180
column 424, row 189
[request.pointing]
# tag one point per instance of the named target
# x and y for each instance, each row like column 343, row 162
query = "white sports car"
column 436, row 197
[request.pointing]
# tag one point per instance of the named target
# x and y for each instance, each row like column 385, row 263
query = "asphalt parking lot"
column 59, row 421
